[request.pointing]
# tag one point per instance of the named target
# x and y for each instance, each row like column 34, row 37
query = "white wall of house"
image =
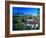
column 32, row 25
column 36, row 25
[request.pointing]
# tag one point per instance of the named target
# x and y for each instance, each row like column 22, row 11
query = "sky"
column 26, row 11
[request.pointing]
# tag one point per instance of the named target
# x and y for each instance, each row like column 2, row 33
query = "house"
column 32, row 23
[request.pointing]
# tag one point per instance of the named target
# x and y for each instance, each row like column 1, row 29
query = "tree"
column 38, row 14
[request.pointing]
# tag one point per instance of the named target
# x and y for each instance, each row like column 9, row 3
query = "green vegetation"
column 18, row 21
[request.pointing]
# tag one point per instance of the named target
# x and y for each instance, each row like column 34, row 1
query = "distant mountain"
column 18, row 13
column 21, row 14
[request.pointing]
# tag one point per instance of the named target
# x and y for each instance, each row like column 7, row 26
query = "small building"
column 32, row 23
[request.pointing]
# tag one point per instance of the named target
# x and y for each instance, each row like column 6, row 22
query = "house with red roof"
column 32, row 23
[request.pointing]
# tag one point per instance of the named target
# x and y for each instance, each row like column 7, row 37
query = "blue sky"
column 26, row 11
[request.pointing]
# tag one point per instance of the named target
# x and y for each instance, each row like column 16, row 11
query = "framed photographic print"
column 24, row 18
